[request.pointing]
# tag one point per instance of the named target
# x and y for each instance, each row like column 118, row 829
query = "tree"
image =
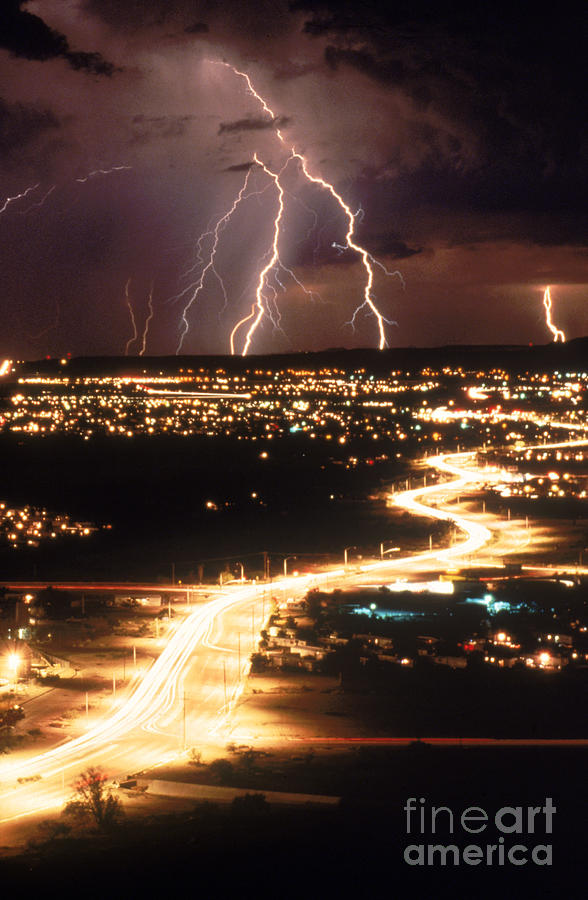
column 195, row 757
column 11, row 716
column 221, row 770
column 94, row 800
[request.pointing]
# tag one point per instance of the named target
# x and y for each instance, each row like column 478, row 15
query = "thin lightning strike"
column 376, row 262
column 365, row 256
column 40, row 203
column 147, row 322
column 238, row 325
column 257, row 96
column 274, row 258
column 16, row 197
column 50, row 327
column 313, row 295
column 558, row 335
column 132, row 315
column 367, row 260
column 209, row 267
column 103, row 172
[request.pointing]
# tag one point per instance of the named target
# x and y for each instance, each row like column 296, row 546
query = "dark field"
column 350, row 851
column 154, row 494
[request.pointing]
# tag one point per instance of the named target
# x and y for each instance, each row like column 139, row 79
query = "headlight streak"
column 159, row 692
column 147, row 702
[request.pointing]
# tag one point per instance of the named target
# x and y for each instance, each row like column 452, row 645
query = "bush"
column 221, row 771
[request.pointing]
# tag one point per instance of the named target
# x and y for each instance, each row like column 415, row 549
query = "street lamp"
column 286, row 558
column 353, row 547
column 389, row 550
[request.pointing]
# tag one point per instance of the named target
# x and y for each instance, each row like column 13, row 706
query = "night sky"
column 456, row 131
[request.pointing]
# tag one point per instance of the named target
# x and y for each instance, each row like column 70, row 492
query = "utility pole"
column 134, row 656
column 265, row 565
column 184, row 720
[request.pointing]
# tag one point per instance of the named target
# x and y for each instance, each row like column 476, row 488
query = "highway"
column 185, row 697
column 181, row 695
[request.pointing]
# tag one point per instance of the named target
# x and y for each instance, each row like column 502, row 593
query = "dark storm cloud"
column 391, row 246
column 512, row 79
column 21, row 125
column 147, row 127
column 240, row 167
column 458, row 128
column 27, row 36
column 259, row 20
column 253, row 124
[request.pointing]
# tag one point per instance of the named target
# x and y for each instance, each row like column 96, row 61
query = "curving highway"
column 184, row 698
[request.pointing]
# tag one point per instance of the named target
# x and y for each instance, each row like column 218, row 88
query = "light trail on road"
column 136, row 735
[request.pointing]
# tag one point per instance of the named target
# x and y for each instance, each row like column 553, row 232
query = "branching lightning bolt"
column 274, row 258
column 558, row 335
column 238, row 325
column 132, row 315
column 368, row 301
column 41, row 202
column 147, row 321
column 16, row 197
column 196, row 287
column 367, row 260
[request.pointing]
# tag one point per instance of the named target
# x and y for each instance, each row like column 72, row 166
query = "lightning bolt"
column 238, row 325
column 51, row 327
column 147, row 322
column 16, row 197
column 368, row 303
column 41, row 202
column 274, row 258
column 558, row 335
column 376, row 262
column 196, row 287
column 132, row 315
column 96, row 172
